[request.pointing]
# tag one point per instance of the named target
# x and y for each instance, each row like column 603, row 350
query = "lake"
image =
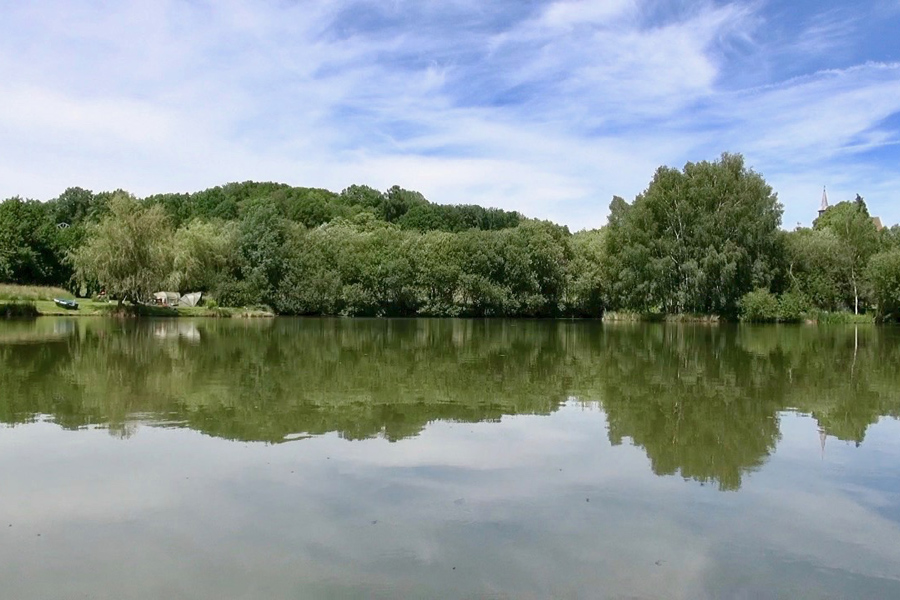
column 330, row 458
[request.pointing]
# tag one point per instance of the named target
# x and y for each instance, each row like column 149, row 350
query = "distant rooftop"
column 824, row 206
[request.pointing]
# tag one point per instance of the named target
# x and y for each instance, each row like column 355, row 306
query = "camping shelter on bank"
column 173, row 299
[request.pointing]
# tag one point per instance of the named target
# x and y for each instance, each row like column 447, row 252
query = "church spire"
column 822, row 437
column 824, row 206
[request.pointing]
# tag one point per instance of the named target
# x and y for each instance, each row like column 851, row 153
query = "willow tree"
column 128, row 252
column 201, row 253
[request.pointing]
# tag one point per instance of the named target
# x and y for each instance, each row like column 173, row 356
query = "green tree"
column 30, row 249
column 853, row 225
column 201, row 252
column 883, row 275
column 129, row 252
column 696, row 240
column 586, row 283
column 818, row 266
column 439, row 263
column 312, row 283
column 262, row 234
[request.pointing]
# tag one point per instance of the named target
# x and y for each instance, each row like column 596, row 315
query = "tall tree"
column 30, row 252
column 853, row 225
column 818, row 267
column 128, row 253
column 883, row 275
column 261, row 243
column 586, row 284
column 201, row 251
column 696, row 240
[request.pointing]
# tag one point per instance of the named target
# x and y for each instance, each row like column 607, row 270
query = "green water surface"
column 329, row 458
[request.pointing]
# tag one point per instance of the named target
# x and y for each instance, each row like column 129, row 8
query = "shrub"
column 759, row 306
column 792, row 307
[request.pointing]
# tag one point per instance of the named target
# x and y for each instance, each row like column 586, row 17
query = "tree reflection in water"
column 702, row 401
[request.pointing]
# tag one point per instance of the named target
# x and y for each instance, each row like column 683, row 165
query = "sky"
column 548, row 107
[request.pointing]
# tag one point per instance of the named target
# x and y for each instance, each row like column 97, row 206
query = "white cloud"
column 550, row 112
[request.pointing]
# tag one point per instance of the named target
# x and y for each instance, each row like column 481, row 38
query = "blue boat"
column 67, row 304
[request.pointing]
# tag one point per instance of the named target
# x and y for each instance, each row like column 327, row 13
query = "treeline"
column 702, row 240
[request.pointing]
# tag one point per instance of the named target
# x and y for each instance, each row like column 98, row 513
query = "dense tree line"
column 705, row 239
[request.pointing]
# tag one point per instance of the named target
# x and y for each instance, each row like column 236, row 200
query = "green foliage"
column 819, row 267
column 883, row 275
column 691, row 246
column 792, row 307
column 30, row 249
column 438, row 217
column 859, row 240
column 841, row 318
column 696, row 240
column 201, row 253
column 762, row 306
column 128, row 253
column 759, row 306
column 261, row 237
column 586, row 286
column 31, row 293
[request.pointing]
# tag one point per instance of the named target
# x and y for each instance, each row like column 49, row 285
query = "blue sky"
column 547, row 107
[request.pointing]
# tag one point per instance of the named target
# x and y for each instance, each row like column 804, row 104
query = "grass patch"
column 32, row 293
column 86, row 308
column 92, row 308
column 840, row 318
column 655, row 317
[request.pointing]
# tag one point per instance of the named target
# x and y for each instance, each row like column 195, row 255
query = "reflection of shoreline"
column 175, row 329
column 702, row 402
column 23, row 332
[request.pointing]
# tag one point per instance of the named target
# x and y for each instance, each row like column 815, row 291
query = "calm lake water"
column 447, row 459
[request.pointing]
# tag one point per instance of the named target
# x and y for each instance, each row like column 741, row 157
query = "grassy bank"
column 31, row 293
column 35, row 301
column 812, row 318
column 840, row 318
column 654, row 317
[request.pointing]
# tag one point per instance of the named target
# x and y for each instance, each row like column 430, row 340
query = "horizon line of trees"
column 705, row 239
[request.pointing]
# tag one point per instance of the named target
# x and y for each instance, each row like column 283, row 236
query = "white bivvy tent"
column 173, row 299
column 192, row 299
column 167, row 298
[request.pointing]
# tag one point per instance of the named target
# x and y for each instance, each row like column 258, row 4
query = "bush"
column 883, row 275
column 792, row 307
column 759, row 306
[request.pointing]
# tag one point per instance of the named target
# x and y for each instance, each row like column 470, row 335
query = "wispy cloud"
column 545, row 107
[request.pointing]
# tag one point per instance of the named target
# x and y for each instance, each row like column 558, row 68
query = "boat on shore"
column 67, row 304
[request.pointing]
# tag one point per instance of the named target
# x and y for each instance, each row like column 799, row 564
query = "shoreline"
column 90, row 308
